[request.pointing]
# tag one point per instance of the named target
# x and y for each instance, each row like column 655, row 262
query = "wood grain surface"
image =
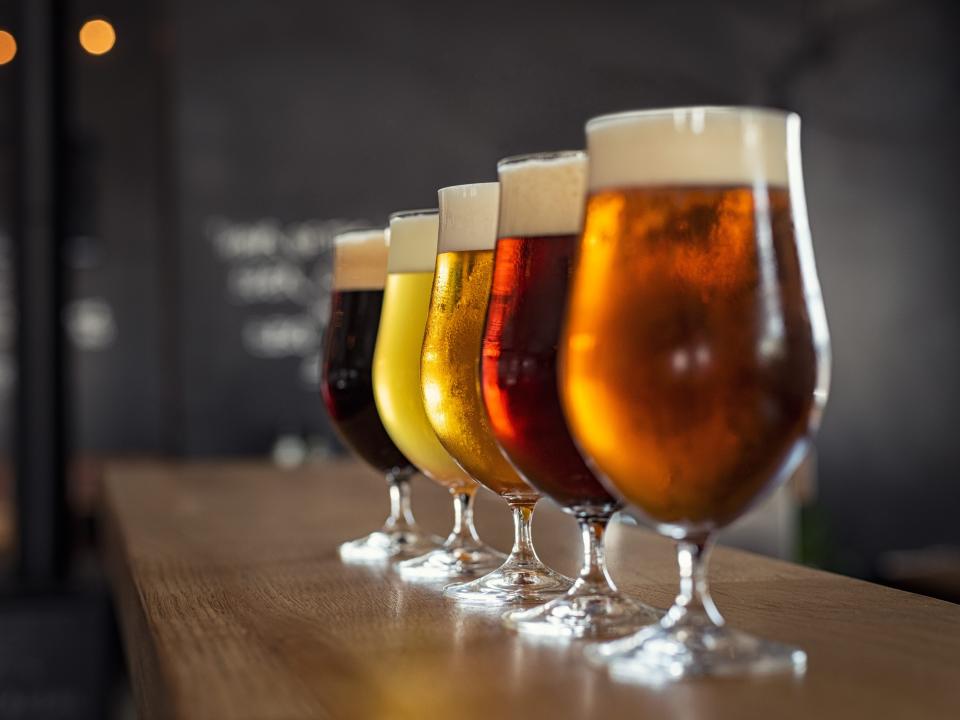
column 234, row 605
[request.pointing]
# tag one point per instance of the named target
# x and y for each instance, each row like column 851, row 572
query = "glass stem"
column 401, row 515
column 523, row 552
column 463, row 533
column 693, row 604
column 594, row 577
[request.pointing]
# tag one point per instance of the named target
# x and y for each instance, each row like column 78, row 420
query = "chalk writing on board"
column 281, row 272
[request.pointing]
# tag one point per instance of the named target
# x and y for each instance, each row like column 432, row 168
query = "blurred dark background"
column 207, row 158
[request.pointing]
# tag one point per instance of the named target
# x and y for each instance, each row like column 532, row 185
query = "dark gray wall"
column 119, row 244
column 881, row 152
column 7, row 306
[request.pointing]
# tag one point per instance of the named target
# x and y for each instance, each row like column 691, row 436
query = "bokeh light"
column 8, row 47
column 97, row 37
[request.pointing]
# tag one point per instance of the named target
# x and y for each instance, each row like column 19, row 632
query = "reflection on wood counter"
column 234, row 604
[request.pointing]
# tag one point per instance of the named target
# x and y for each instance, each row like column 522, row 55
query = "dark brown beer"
column 347, row 382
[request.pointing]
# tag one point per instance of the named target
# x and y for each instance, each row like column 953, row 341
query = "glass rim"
column 362, row 230
column 399, row 214
column 547, row 155
column 706, row 109
column 463, row 186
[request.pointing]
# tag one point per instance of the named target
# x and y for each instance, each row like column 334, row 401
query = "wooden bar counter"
column 234, row 605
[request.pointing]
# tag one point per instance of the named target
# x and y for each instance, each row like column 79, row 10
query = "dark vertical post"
column 40, row 407
column 170, row 288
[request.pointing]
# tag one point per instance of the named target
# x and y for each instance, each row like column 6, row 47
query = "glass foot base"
column 384, row 545
column 450, row 563
column 659, row 654
column 589, row 615
column 511, row 584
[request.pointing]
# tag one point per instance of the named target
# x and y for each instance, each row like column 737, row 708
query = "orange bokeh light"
column 97, row 37
column 8, row 47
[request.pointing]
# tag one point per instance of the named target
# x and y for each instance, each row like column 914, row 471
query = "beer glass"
column 396, row 386
column 360, row 268
column 541, row 211
column 450, row 380
column 695, row 359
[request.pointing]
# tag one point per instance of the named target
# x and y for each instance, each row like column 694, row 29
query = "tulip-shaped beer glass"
column 396, row 385
column 695, row 359
column 450, row 379
column 360, row 270
column 541, row 212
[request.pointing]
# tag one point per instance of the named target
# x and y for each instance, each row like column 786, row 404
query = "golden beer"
column 450, row 360
column 450, row 376
column 450, row 370
column 396, row 379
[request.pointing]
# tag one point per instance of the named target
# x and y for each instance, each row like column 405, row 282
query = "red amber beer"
column 541, row 211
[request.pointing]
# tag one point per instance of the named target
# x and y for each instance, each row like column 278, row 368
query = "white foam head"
column 360, row 260
column 413, row 241
column 691, row 146
column 542, row 194
column 468, row 217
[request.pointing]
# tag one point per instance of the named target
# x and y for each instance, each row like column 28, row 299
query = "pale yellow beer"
column 396, row 361
column 450, row 362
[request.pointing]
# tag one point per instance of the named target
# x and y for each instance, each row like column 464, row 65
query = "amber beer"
column 692, row 354
column 695, row 359
column 541, row 209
